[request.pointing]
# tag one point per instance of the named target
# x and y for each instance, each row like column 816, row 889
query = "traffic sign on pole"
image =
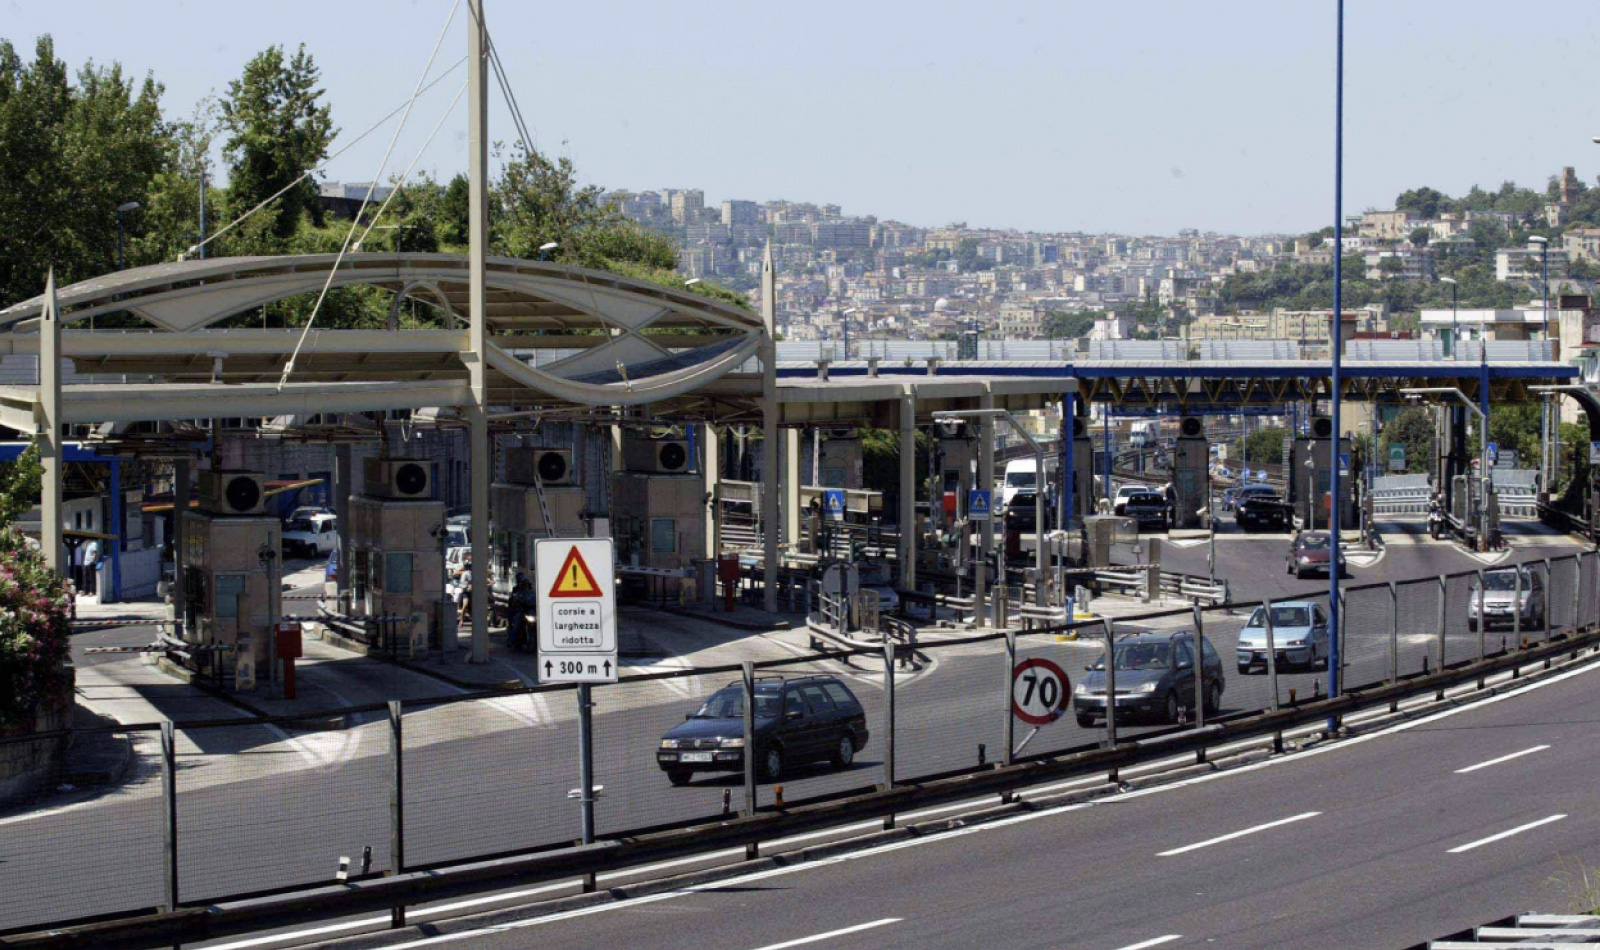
column 1494, row 453
column 1594, row 453
column 979, row 504
column 1040, row 691
column 833, row 503
column 1397, row 457
column 577, row 610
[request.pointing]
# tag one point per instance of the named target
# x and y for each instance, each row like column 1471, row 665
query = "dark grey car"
column 1155, row 678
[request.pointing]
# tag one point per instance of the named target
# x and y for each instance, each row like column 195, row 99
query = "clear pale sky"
column 1137, row 117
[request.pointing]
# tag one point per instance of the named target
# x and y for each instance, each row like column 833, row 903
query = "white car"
column 313, row 536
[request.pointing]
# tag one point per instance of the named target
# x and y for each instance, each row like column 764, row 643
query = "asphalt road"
column 1381, row 843
column 265, row 806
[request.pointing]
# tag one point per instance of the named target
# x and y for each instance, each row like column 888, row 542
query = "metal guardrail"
column 229, row 918
column 1523, row 932
column 1200, row 590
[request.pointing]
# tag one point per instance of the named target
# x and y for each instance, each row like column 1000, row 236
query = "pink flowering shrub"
column 34, row 605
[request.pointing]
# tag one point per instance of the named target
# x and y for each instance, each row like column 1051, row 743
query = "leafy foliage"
column 1071, row 325
column 33, row 603
column 1264, row 446
column 20, row 485
column 1413, row 429
column 278, row 129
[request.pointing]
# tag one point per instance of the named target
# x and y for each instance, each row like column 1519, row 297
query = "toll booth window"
column 663, row 535
column 358, row 575
column 397, row 573
column 230, row 587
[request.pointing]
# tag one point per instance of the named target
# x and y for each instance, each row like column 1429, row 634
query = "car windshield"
column 1021, row 479
column 1283, row 617
column 1313, row 542
column 1141, row 656
column 458, row 536
column 728, row 703
column 1502, row 580
column 301, row 524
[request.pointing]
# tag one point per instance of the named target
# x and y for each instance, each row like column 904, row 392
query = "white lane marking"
column 1238, row 834
column 915, row 842
column 1503, row 758
column 1504, row 834
column 831, row 934
column 1153, row 942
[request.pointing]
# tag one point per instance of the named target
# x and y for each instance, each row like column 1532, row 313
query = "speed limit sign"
column 1039, row 692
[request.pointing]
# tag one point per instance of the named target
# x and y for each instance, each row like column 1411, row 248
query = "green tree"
column 1413, row 429
column 1069, row 325
column 1264, row 446
column 1420, row 237
column 71, row 152
column 20, row 485
column 1425, row 203
column 455, row 208
column 278, row 129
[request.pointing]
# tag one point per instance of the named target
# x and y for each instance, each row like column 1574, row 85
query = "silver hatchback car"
column 1299, row 636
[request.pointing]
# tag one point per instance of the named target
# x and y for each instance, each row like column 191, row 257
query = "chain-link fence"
column 264, row 805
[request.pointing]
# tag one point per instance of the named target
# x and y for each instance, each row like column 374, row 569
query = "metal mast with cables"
column 477, row 370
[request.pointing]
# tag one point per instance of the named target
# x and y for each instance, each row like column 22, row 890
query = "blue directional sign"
column 833, row 503
column 979, row 504
column 1594, row 453
column 1344, row 463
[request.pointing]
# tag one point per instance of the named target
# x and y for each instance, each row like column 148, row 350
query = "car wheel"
column 772, row 764
column 1299, row 575
column 1214, row 698
column 1172, row 707
column 1244, row 669
column 679, row 777
column 1085, row 722
column 845, row 752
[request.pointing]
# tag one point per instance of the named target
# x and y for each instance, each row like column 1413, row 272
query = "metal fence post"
column 1544, row 606
column 1394, row 639
column 586, row 771
column 1111, row 690
column 748, row 675
column 888, row 724
column 1577, row 593
column 1516, row 611
column 1483, row 624
column 1344, row 654
column 1272, row 671
column 1444, row 612
column 1010, row 731
column 169, row 814
column 397, row 805
column 1201, row 687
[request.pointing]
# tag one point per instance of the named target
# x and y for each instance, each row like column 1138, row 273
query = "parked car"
column 1121, row 497
column 1501, row 602
column 876, row 576
column 1310, row 553
column 797, row 720
column 1148, row 507
column 1020, row 514
column 1262, row 510
column 1155, row 678
column 314, row 535
column 1299, row 636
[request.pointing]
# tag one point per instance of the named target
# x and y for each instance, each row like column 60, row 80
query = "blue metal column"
column 1337, row 345
column 118, row 528
column 1105, row 448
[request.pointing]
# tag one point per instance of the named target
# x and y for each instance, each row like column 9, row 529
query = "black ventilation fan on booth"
column 242, row 494
column 672, row 457
column 1080, row 427
column 1321, row 427
column 552, row 467
column 1191, row 428
column 411, row 479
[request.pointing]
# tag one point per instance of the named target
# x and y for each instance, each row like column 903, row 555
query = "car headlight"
column 732, row 743
column 1147, row 687
column 1082, row 689
column 669, row 743
column 1297, row 643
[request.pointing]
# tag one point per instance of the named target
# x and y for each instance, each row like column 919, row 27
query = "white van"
column 1023, row 475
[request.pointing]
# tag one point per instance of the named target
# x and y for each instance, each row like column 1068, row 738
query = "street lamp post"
column 1336, row 648
column 1455, row 329
column 1483, row 451
column 1544, row 280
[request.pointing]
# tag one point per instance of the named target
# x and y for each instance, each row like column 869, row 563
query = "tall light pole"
column 1334, row 646
column 1544, row 279
column 1455, row 329
column 122, row 209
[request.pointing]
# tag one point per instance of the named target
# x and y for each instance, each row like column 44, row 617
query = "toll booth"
column 1191, row 473
column 955, row 457
column 542, row 496
column 658, row 508
column 231, row 561
column 396, row 543
column 1310, row 473
column 841, row 462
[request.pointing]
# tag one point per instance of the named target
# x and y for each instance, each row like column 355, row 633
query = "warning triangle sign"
column 980, row 502
column 574, row 579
